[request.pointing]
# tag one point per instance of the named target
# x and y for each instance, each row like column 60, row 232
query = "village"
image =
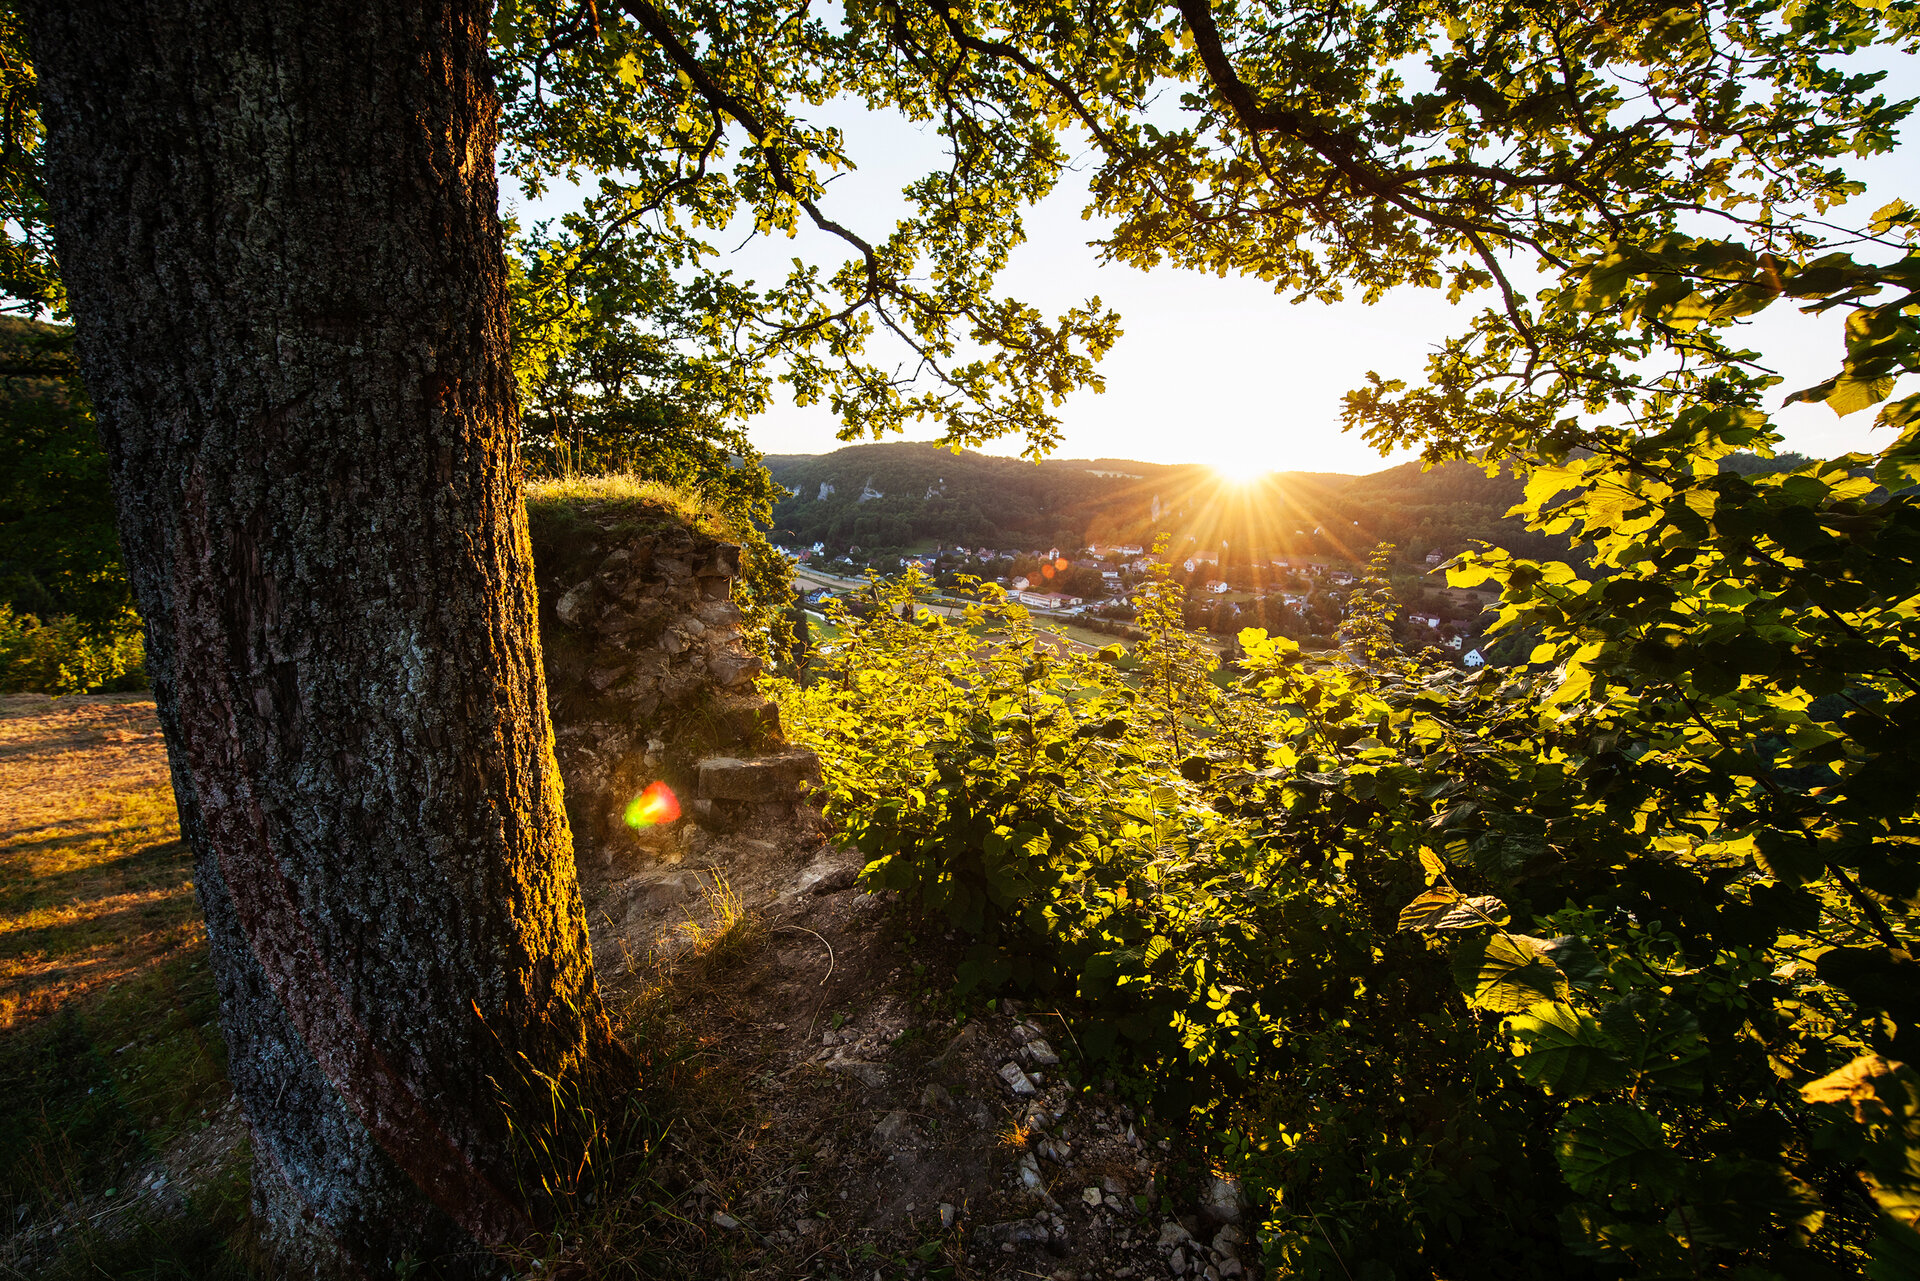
column 1097, row 587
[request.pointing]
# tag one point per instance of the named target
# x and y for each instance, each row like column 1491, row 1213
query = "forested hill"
column 897, row 495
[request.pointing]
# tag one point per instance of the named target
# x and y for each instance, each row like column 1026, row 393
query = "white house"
column 1217, row 587
column 1473, row 659
column 1048, row 600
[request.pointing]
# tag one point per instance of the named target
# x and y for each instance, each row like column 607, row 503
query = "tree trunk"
column 276, row 220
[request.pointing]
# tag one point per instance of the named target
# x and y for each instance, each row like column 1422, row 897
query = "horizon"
column 1060, row 461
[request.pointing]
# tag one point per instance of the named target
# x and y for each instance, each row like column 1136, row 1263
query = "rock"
column 725, row 1222
column 723, row 561
column 806, row 1227
column 1039, row 1053
column 732, row 666
column 718, row 613
column 632, row 616
column 763, row 778
column 827, row 876
column 1016, row 1080
column 1230, row 1268
column 871, row 1075
column 601, row 677
column 1030, row 1172
column 935, row 1096
column 1221, row 1200
column 1092, row 1197
column 1228, row 1240
column 1177, row 1263
column 1014, row 1232
column 890, row 1129
column 663, row 892
column 947, row 1215
column 571, row 608
column 746, row 717
column 1172, row 1234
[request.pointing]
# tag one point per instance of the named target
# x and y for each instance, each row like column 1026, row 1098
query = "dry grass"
column 620, row 488
column 95, row 885
column 110, row 1062
column 729, row 928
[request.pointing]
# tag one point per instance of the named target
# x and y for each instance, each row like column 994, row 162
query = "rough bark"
column 277, row 222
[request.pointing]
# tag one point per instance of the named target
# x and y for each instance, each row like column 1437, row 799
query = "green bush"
column 1593, row 966
column 65, row 656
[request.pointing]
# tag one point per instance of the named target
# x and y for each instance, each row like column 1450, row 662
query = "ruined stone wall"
column 648, row 678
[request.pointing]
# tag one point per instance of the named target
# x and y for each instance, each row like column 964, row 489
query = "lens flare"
column 652, row 807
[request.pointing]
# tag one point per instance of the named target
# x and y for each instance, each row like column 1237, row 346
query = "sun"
column 1241, row 471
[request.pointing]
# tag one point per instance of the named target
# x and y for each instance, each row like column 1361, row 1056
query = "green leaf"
column 1896, row 1254
column 1567, row 1052
column 1660, row 1041
column 1442, row 908
column 1615, row 1147
column 1512, row 975
column 1576, row 959
column 1733, row 1201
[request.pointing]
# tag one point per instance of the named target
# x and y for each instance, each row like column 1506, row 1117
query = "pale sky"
column 1222, row 370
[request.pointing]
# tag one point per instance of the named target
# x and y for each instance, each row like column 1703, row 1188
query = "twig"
column 1069, row 1029
column 823, row 943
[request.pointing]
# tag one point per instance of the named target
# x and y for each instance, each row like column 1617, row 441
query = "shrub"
column 65, row 656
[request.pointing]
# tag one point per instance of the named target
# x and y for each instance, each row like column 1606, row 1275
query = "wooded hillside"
column 898, row 494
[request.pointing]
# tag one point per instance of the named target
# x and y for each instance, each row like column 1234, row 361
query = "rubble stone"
column 642, row 642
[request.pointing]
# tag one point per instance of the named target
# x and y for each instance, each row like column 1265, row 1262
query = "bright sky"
column 1221, row 370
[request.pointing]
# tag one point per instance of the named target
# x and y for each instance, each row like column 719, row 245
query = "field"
column 112, row 1075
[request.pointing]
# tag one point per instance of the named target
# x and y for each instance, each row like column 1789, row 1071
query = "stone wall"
column 648, row 678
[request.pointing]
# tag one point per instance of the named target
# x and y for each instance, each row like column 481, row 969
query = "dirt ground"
column 841, row 1115
column 822, row 1105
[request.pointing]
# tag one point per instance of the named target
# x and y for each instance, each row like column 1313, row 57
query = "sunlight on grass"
column 729, row 924
column 558, row 493
column 110, row 1055
column 95, row 885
